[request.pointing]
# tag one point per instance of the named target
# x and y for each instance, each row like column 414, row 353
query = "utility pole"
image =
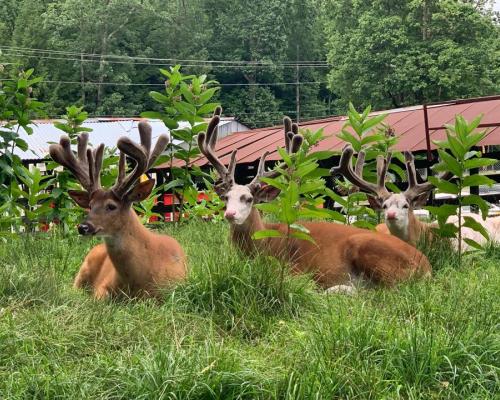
column 82, row 78
column 297, row 89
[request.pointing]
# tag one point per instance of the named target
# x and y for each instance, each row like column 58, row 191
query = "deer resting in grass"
column 132, row 261
column 400, row 219
column 340, row 253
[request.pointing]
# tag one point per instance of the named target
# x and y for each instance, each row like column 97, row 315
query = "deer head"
column 108, row 207
column 397, row 207
column 239, row 199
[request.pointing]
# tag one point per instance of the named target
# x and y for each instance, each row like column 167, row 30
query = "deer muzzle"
column 86, row 229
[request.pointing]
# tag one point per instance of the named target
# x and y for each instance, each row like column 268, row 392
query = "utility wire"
column 175, row 60
column 90, row 83
column 131, row 62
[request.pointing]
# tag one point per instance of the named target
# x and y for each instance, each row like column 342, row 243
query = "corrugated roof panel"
column 106, row 131
column 408, row 124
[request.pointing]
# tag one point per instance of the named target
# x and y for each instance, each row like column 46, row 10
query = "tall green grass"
column 232, row 332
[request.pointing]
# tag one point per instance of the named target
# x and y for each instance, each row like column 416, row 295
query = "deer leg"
column 342, row 289
column 91, row 267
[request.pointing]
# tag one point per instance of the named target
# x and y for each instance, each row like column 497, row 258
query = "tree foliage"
column 396, row 53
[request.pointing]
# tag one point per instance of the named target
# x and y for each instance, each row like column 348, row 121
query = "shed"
column 408, row 123
column 104, row 130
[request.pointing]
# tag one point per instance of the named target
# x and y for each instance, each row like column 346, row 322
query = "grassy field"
column 231, row 332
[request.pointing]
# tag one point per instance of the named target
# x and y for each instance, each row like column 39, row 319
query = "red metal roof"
column 408, row 124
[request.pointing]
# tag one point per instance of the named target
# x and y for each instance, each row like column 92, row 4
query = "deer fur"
column 132, row 261
column 340, row 254
column 398, row 208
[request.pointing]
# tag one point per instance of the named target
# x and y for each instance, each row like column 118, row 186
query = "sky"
column 497, row 5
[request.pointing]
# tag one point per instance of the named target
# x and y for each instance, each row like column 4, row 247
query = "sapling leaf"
column 470, row 222
column 266, row 233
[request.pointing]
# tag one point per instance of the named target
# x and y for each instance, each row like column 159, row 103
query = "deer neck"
column 409, row 232
column 242, row 234
column 125, row 246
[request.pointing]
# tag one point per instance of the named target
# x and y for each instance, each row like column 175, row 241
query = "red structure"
column 415, row 126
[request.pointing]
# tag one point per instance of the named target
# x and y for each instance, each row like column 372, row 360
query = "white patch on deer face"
column 396, row 210
column 239, row 202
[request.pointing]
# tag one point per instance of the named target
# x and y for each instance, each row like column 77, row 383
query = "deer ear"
column 421, row 200
column 375, row 203
column 265, row 193
column 140, row 191
column 80, row 197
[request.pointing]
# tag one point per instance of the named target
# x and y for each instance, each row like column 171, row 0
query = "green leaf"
column 152, row 115
column 270, row 208
column 160, row 98
column 451, row 163
column 477, row 180
column 300, row 228
column 479, row 163
column 302, row 236
column 284, row 156
column 207, row 108
column 266, row 233
column 336, row 197
column 472, row 243
column 474, row 199
column 444, row 210
column 321, row 155
column 207, row 95
column 444, row 186
column 471, row 223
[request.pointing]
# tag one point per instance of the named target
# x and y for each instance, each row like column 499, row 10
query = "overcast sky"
column 497, row 5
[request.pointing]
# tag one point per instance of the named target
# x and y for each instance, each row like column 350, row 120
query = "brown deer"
column 132, row 261
column 398, row 208
column 339, row 253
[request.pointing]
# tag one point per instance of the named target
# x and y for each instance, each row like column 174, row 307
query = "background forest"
column 105, row 54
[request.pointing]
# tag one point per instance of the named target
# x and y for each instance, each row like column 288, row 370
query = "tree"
column 396, row 53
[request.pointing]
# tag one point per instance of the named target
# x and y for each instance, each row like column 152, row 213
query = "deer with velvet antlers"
column 400, row 219
column 339, row 255
column 132, row 261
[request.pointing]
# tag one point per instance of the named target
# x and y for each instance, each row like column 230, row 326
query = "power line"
column 176, row 60
column 132, row 62
column 90, row 83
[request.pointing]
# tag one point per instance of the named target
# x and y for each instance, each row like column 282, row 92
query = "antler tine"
column 62, row 154
column 287, row 123
column 382, row 167
column 136, row 152
column 94, row 159
column 142, row 155
column 122, row 167
column 360, row 163
column 345, row 168
column 213, row 127
column 145, row 131
column 293, row 141
column 260, row 169
column 207, row 141
column 160, row 146
column 410, row 170
column 416, row 189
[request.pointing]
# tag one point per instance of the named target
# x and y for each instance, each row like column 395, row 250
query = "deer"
column 340, row 254
column 398, row 208
column 132, row 261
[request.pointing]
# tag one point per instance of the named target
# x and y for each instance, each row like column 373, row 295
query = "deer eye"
column 405, row 206
column 110, row 207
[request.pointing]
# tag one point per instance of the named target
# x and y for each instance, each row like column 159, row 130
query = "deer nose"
column 230, row 214
column 391, row 215
column 85, row 229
